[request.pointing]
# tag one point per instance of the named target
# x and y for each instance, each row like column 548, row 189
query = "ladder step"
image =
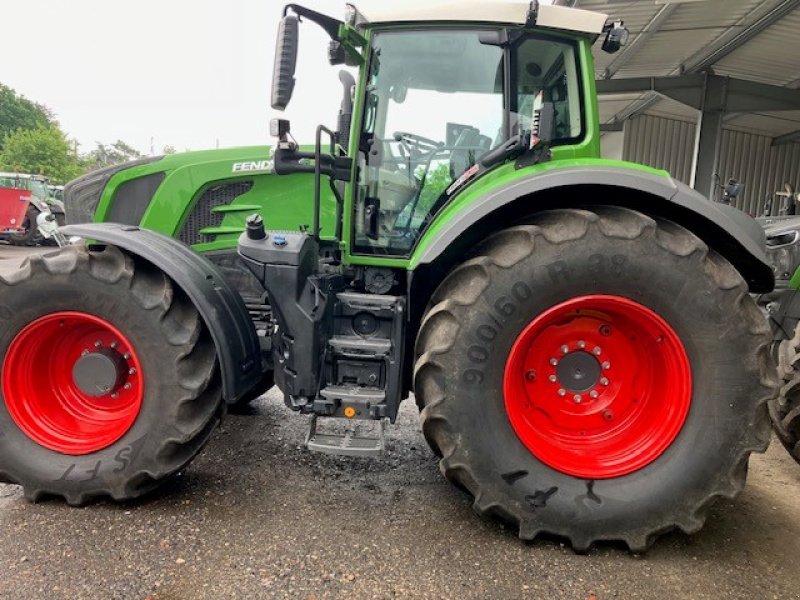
column 353, row 394
column 347, row 443
column 351, row 345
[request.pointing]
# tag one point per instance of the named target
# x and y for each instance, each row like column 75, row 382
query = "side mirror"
column 279, row 128
column 285, row 62
column 616, row 37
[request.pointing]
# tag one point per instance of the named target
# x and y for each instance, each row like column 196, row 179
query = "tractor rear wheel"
column 785, row 407
column 596, row 375
column 109, row 377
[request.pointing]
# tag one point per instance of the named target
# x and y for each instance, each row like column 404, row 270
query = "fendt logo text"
column 247, row 167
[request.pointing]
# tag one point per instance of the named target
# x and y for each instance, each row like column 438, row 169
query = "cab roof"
column 508, row 12
column 22, row 175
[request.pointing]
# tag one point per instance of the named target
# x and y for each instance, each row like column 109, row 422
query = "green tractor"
column 578, row 333
column 783, row 310
column 202, row 199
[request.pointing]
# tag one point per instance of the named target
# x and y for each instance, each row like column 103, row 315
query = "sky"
column 187, row 73
column 192, row 74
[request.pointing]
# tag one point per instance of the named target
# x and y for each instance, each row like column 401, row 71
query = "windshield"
column 39, row 189
column 12, row 181
column 435, row 105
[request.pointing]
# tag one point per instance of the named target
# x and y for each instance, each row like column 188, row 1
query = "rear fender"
column 221, row 308
column 40, row 204
column 727, row 230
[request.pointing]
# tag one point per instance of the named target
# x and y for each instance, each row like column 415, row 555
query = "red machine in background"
column 14, row 204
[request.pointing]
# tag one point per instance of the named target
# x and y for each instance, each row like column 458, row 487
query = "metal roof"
column 755, row 40
column 513, row 12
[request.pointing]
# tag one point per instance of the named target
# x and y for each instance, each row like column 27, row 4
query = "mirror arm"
column 329, row 24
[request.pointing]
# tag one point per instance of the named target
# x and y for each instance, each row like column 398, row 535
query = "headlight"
column 783, row 252
column 350, row 15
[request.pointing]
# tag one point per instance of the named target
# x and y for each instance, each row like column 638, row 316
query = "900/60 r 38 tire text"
column 596, row 375
column 109, row 376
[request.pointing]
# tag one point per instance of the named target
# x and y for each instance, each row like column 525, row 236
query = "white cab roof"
column 509, row 12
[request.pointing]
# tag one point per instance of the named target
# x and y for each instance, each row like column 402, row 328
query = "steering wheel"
column 416, row 145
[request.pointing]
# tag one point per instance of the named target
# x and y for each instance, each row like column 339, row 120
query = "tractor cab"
column 439, row 106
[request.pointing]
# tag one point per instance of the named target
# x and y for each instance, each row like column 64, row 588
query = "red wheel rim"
column 598, row 386
column 46, row 392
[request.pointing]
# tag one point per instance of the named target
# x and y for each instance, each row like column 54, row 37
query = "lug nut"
column 115, row 395
column 126, row 356
column 562, row 392
column 581, row 344
column 114, row 344
column 98, row 343
column 577, row 398
column 84, row 352
column 594, row 394
column 553, row 362
column 604, row 381
column 565, row 349
column 127, row 386
column 553, row 378
column 131, row 371
column 597, row 351
column 606, row 365
column 530, row 375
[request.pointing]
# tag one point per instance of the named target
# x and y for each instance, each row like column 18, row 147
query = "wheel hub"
column 72, row 382
column 99, row 373
column 598, row 386
column 578, row 371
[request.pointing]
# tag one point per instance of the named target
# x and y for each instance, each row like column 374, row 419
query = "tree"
column 44, row 150
column 168, row 150
column 17, row 112
column 106, row 155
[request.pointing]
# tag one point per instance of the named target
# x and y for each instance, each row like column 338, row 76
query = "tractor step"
column 348, row 443
column 357, row 347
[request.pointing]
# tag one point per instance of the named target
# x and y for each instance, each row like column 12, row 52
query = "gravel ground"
column 255, row 516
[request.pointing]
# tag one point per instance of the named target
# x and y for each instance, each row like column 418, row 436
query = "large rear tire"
column 595, row 375
column 110, row 381
column 784, row 409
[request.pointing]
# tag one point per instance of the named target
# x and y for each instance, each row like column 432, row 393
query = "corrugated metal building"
column 749, row 157
column 748, row 49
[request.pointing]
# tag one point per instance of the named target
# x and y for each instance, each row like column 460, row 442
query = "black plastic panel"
column 201, row 216
column 132, row 199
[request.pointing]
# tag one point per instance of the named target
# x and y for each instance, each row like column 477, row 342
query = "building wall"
column 750, row 158
column 662, row 143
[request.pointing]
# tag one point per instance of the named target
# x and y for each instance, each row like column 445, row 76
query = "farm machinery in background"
column 578, row 333
column 782, row 226
column 41, row 210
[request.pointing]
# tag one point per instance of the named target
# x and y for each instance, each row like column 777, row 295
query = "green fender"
column 728, row 231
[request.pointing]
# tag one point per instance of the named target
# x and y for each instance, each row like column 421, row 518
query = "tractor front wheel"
column 109, row 376
column 596, row 375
